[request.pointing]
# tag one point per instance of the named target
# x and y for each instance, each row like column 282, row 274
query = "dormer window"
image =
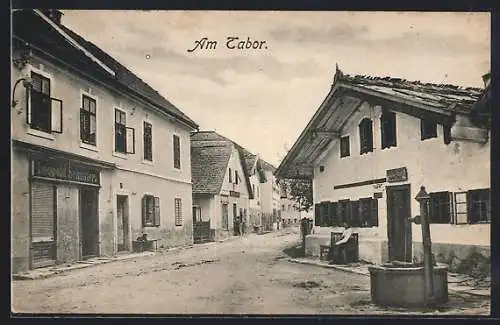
column 365, row 136
column 388, row 129
column 428, row 129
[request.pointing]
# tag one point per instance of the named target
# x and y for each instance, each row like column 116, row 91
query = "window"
column 253, row 189
column 44, row 113
column 230, row 175
column 461, row 208
column 236, row 177
column 88, row 127
column 479, row 206
column 344, row 211
column 439, row 207
column 225, row 214
column 150, row 211
column 428, row 129
column 235, row 211
column 368, row 210
column 178, row 211
column 124, row 136
column 196, row 214
column 365, row 136
column 344, row 147
column 447, row 134
column 177, row 152
column 388, row 129
column 148, row 141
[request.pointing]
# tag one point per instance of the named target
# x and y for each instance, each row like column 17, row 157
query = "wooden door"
column 122, row 223
column 398, row 226
column 89, row 221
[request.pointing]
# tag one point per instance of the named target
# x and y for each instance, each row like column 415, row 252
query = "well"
column 404, row 286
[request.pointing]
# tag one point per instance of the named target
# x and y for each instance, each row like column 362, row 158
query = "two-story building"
column 99, row 157
column 369, row 148
column 221, row 187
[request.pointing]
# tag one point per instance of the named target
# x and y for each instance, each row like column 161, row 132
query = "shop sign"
column 397, row 175
column 66, row 171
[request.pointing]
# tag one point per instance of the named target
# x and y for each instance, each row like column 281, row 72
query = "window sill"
column 177, row 170
column 151, row 226
column 119, row 155
column 147, row 162
column 41, row 134
column 89, row 146
column 429, row 138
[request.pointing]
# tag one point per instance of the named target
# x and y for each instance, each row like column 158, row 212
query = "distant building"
column 99, row 157
column 374, row 142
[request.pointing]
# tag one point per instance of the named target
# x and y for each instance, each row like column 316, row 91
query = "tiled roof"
column 45, row 37
column 444, row 96
column 267, row 166
column 209, row 161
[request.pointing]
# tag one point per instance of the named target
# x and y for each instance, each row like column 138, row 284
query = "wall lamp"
column 27, row 83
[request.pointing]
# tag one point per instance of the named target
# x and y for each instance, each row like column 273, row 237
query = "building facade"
column 99, row 158
column 370, row 147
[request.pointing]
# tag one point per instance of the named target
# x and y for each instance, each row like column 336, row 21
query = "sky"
column 263, row 98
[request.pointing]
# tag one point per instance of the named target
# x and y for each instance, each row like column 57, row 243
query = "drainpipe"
column 423, row 199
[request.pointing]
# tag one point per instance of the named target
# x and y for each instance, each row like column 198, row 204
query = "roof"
column 267, row 166
column 53, row 41
column 440, row 102
column 209, row 161
column 210, row 153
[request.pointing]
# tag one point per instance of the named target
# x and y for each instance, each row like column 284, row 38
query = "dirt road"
column 245, row 276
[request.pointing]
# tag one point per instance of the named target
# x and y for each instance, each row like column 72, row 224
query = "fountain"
column 403, row 284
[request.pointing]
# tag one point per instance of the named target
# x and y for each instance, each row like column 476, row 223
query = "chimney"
column 54, row 15
column 487, row 79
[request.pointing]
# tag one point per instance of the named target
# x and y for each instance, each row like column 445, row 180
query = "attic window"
column 428, row 129
column 236, row 178
column 366, row 136
column 344, row 147
column 230, row 175
column 388, row 129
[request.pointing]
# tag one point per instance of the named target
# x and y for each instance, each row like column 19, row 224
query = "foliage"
column 300, row 191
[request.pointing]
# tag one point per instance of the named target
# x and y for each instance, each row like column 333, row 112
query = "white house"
column 369, row 148
column 99, row 157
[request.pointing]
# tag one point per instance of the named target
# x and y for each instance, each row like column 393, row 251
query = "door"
column 398, row 226
column 89, row 222
column 122, row 223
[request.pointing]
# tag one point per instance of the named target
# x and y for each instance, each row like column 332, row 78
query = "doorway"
column 122, row 223
column 89, row 222
column 398, row 226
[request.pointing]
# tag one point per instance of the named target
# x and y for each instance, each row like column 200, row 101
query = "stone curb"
column 478, row 293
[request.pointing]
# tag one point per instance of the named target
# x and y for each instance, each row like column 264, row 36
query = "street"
column 249, row 275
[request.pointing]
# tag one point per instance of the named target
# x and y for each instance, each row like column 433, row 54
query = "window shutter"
column 42, row 211
column 144, row 211
column 370, row 135
column 333, row 214
column 374, row 213
column 28, row 105
column 317, row 215
column 355, row 222
column 56, row 115
column 130, row 140
column 451, row 208
column 156, row 220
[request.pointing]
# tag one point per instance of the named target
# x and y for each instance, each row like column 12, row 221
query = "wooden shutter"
column 333, row 214
column 130, row 140
column 42, row 212
column 355, row 215
column 56, row 110
column 325, row 207
column 317, row 214
column 156, row 215
column 374, row 213
column 144, row 210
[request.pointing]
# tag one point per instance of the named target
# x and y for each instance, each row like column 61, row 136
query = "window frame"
column 145, row 157
column 126, row 129
column 388, row 121
column 30, row 108
column 437, row 204
column 428, row 129
column 470, row 202
column 83, row 95
column 225, row 215
column 456, row 213
column 156, row 211
column 345, row 146
column 178, row 158
column 365, row 136
column 178, row 217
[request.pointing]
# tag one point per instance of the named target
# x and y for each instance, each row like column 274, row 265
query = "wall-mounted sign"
column 378, row 195
column 66, row 171
column 234, row 194
column 397, row 175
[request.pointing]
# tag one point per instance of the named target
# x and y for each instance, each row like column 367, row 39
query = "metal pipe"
column 423, row 198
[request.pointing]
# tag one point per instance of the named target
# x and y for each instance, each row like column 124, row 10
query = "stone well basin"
column 400, row 285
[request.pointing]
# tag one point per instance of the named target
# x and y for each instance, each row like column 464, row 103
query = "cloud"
column 303, row 34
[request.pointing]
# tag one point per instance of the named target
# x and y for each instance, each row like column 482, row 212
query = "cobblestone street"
column 249, row 275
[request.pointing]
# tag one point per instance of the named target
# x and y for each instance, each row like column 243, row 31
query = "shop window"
column 439, row 207
column 428, row 129
column 150, row 211
column 344, row 146
column 388, row 129
column 366, row 136
column 88, row 128
column 177, row 151
column 124, row 136
column 44, row 113
column 178, row 212
column 148, row 141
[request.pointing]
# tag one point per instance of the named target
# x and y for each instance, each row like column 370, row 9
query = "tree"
column 300, row 191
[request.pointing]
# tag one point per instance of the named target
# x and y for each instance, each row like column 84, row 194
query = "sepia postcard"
column 250, row 163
